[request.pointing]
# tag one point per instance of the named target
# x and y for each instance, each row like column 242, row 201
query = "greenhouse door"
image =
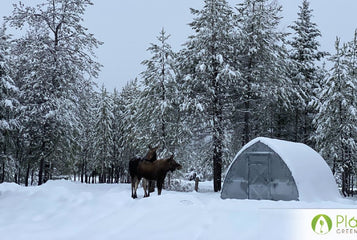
column 258, row 176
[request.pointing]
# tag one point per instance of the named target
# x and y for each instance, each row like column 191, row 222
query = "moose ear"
column 172, row 156
column 149, row 146
column 157, row 147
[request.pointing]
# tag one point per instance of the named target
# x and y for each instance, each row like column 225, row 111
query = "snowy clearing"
column 68, row 210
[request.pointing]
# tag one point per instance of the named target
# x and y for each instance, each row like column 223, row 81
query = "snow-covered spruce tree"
column 25, row 139
column 130, row 141
column 119, row 164
column 86, row 134
column 336, row 120
column 103, row 139
column 305, row 75
column 351, row 56
column 57, row 55
column 207, row 71
column 263, row 68
column 158, row 111
column 8, row 103
column 348, row 177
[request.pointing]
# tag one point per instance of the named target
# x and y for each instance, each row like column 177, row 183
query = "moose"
column 150, row 169
column 134, row 162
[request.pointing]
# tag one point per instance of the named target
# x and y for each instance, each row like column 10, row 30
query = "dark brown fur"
column 151, row 156
column 157, row 171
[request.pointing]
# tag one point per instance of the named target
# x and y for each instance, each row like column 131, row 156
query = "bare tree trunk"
column 296, row 124
column 42, row 164
column 18, row 177
column 82, row 172
column 217, row 167
column 32, row 177
column 27, row 175
column 2, row 176
column 217, row 136
column 246, row 130
column 40, row 171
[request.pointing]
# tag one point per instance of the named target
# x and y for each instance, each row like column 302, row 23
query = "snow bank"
column 63, row 210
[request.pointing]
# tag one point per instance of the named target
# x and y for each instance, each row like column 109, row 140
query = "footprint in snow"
column 186, row 202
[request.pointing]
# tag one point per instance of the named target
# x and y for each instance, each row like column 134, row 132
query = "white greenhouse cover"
column 312, row 175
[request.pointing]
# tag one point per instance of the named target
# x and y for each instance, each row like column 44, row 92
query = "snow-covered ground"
column 68, row 210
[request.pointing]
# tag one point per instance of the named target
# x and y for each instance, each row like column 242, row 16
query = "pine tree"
column 207, row 69
column 103, row 142
column 8, row 105
column 119, row 166
column 86, row 133
column 158, row 95
column 261, row 56
column 131, row 131
column 305, row 54
column 56, row 56
column 351, row 55
column 336, row 118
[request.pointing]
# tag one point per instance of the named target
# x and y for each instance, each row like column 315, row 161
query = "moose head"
column 151, row 155
column 172, row 164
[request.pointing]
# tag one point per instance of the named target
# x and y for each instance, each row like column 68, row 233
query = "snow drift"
column 63, row 210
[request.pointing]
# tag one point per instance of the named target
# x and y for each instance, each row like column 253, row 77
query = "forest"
column 238, row 76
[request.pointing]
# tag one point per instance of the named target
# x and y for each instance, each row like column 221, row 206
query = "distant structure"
column 273, row 169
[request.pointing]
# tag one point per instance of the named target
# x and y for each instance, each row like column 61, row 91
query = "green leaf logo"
column 321, row 224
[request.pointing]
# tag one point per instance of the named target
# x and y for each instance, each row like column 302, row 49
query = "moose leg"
column 134, row 186
column 145, row 187
column 159, row 186
column 151, row 186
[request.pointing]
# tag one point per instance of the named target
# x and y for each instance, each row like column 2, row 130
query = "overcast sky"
column 127, row 27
